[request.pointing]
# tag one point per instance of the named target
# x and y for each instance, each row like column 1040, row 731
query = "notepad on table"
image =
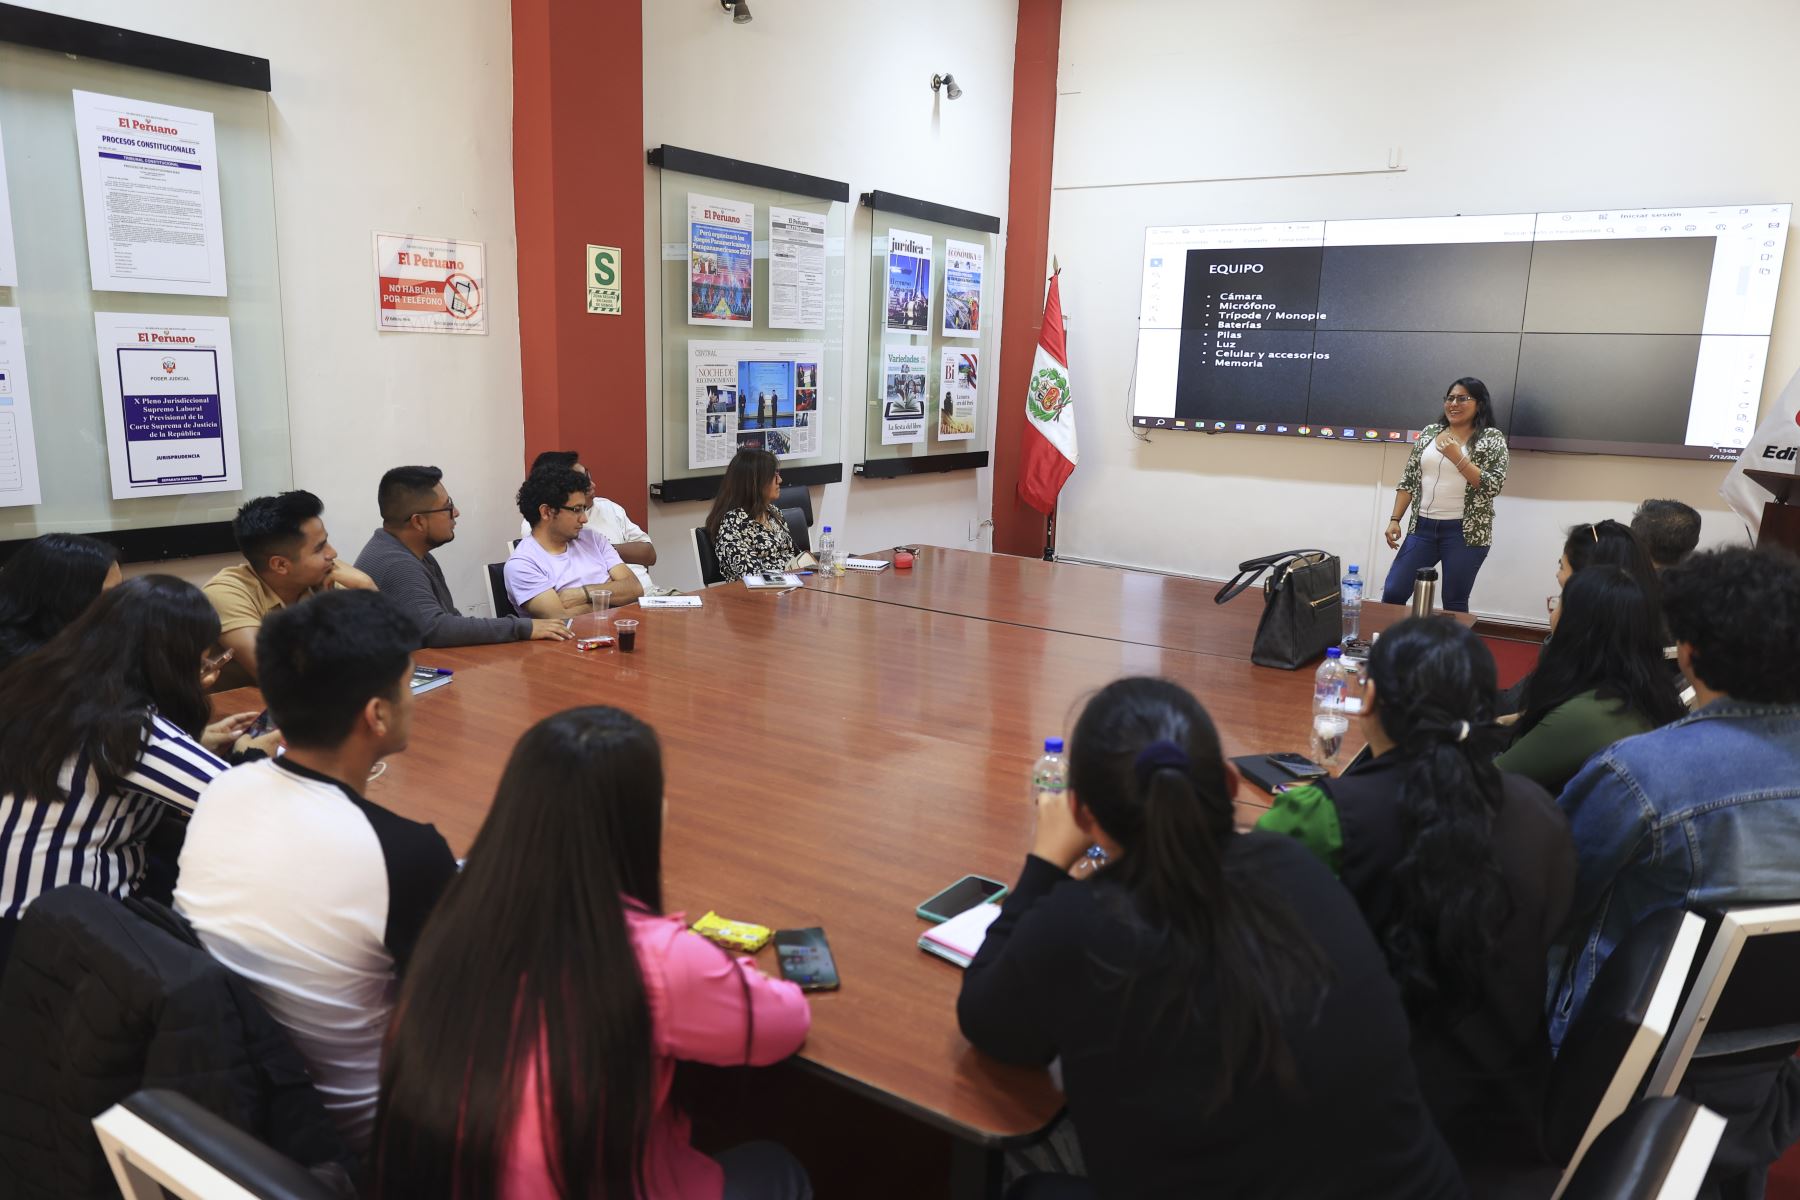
column 772, row 579
column 669, row 602
column 957, row 939
column 866, row 564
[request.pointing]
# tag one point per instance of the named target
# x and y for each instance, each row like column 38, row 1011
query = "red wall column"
column 578, row 171
column 1018, row 528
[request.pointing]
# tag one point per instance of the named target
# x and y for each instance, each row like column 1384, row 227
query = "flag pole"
column 1050, row 518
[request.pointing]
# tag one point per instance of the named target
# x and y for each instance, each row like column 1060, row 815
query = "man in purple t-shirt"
column 554, row 572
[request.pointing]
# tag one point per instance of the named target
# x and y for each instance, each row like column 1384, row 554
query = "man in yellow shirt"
column 288, row 556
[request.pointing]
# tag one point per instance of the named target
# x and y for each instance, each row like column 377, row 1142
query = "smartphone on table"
column 961, row 896
column 805, row 959
column 1298, row 765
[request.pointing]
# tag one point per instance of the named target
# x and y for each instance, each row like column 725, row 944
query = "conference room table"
column 838, row 753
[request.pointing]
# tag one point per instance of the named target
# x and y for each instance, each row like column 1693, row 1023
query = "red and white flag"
column 1048, row 452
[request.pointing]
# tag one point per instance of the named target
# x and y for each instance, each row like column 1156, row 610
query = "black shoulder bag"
column 1300, row 606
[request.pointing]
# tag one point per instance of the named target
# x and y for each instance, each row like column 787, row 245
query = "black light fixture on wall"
column 739, row 10
column 948, row 82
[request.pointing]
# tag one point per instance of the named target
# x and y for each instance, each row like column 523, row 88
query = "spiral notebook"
column 958, row 939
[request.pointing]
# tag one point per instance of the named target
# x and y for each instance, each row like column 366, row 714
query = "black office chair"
column 1656, row 1150
column 209, row 1158
column 796, row 497
column 796, row 522
column 1608, row 1050
column 497, row 590
column 705, row 558
column 1742, row 1004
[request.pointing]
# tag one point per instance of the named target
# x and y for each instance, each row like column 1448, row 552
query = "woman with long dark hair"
column 549, row 998
column 102, row 731
column 747, row 532
column 1214, row 997
column 1457, row 467
column 1465, row 875
column 1602, row 677
column 46, row 584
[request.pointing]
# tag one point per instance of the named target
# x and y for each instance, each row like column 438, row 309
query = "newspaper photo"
column 759, row 394
column 909, row 282
column 721, row 269
column 904, row 378
column 962, row 288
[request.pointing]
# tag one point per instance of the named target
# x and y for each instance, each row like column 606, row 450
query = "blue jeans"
column 1431, row 543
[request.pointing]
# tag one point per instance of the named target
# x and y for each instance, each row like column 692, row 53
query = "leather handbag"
column 1300, row 606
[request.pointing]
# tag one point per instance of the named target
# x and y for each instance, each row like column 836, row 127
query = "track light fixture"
column 947, row 81
column 739, row 10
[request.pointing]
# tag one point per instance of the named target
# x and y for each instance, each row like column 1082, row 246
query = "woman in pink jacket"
column 549, row 998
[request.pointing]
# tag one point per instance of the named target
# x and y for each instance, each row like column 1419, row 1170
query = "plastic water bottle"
column 1331, row 715
column 827, row 554
column 1050, row 777
column 1352, row 599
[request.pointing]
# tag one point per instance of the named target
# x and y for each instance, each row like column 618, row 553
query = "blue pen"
column 438, row 670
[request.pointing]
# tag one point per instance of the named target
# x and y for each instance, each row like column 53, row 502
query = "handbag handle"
column 1250, row 570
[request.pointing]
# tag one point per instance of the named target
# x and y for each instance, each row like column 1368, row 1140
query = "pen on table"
column 438, row 670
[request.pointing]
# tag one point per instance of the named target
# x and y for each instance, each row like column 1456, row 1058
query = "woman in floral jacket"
column 1456, row 469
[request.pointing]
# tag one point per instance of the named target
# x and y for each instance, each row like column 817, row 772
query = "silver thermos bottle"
column 1424, row 592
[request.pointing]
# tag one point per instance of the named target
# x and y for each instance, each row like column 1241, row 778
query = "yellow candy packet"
column 738, row 935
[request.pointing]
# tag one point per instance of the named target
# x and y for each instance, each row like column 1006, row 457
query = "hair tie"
column 1162, row 754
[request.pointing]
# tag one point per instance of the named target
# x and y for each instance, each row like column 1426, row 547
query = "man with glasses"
column 418, row 516
column 562, row 567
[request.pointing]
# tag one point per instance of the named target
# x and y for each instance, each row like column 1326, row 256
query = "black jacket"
column 103, row 997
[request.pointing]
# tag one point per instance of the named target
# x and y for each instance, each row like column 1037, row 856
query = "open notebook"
column 961, row 936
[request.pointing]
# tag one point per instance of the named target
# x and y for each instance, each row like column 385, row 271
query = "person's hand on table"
column 550, row 629
column 221, row 734
column 1059, row 840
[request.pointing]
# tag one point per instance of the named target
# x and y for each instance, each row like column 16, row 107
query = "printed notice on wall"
column 957, row 392
column 721, row 265
column 908, row 282
column 796, row 269
column 762, row 395
column 962, row 288
column 18, row 448
column 150, row 187
column 429, row 285
column 171, row 411
column 9, row 259
column 904, row 375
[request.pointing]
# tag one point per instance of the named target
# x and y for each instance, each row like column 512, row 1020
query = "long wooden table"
column 837, row 754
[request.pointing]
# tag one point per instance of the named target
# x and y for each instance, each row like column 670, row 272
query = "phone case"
column 996, row 898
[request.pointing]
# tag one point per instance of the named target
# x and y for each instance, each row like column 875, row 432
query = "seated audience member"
column 312, row 893
column 553, row 1077
column 289, row 557
column 1668, row 529
column 1212, row 995
column 46, row 584
column 611, row 520
column 1602, row 677
column 106, row 729
column 558, row 571
column 418, row 516
column 1702, row 813
column 1464, row 875
column 747, row 531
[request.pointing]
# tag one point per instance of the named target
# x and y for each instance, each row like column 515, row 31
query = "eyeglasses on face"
column 583, row 509
column 448, row 506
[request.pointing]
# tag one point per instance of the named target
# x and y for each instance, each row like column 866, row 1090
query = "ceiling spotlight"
column 739, row 10
column 948, row 82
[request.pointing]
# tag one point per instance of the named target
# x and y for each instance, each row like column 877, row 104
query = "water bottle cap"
column 1052, row 745
column 1353, row 568
column 1333, row 652
column 828, row 529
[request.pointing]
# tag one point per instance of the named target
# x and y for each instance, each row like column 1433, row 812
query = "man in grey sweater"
column 418, row 516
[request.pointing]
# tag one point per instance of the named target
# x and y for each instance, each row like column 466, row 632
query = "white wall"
column 854, row 103
column 1514, row 107
column 392, row 116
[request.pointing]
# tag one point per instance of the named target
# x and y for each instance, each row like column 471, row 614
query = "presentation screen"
column 1634, row 331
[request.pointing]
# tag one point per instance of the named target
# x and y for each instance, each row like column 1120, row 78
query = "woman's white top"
column 1440, row 485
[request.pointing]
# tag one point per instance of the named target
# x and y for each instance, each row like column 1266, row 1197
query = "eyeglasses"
column 449, row 506
column 212, row 662
column 583, row 509
column 1459, row 399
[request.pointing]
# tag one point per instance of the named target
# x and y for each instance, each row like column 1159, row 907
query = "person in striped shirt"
column 103, row 732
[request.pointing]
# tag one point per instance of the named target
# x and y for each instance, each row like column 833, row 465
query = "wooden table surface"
column 835, row 762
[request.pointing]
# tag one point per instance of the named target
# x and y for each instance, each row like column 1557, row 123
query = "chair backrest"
column 1743, row 1001
column 156, row 1140
column 1610, row 1046
column 796, row 523
column 1658, row 1149
column 707, row 561
column 798, row 496
column 503, row 606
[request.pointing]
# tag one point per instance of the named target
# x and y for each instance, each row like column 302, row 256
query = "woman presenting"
column 1456, row 469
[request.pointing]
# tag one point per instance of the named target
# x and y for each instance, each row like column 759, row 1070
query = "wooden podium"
column 1781, row 516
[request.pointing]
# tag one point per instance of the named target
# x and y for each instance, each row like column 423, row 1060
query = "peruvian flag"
column 1048, row 452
